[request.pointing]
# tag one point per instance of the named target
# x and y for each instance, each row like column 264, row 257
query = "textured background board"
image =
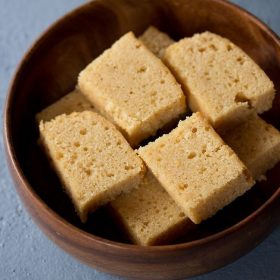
column 25, row 253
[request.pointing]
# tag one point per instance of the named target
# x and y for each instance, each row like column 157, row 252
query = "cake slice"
column 257, row 144
column 91, row 157
column 71, row 102
column 198, row 170
column 131, row 87
column 156, row 41
column 149, row 215
column 219, row 79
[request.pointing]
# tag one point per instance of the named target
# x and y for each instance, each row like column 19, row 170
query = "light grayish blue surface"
column 25, row 253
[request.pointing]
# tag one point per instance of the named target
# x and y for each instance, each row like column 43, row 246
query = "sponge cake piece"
column 149, row 215
column 132, row 88
column 257, row 144
column 156, row 41
column 198, row 170
column 71, row 102
column 219, row 79
column 91, row 157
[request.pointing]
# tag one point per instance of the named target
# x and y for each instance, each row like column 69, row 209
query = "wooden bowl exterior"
column 49, row 70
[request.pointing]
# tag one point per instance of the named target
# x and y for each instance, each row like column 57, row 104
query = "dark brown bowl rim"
column 26, row 187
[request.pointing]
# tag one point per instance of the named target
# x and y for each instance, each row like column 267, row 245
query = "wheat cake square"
column 219, row 79
column 131, row 87
column 256, row 143
column 198, row 170
column 71, row 102
column 92, row 159
column 149, row 215
column 156, row 41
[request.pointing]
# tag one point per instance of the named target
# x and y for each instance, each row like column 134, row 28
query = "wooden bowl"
column 49, row 70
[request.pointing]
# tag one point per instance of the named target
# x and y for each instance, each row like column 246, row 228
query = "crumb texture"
column 257, row 144
column 199, row 171
column 91, row 157
column 220, row 80
column 132, row 87
column 156, row 41
column 71, row 102
column 149, row 214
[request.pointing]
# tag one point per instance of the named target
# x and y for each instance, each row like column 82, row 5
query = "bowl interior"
column 50, row 71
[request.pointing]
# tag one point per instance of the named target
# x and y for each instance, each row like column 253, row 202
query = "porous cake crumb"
column 156, row 41
column 71, row 102
column 198, row 170
column 257, row 144
column 149, row 215
column 91, row 157
column 131, row 87
column 219, row 79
